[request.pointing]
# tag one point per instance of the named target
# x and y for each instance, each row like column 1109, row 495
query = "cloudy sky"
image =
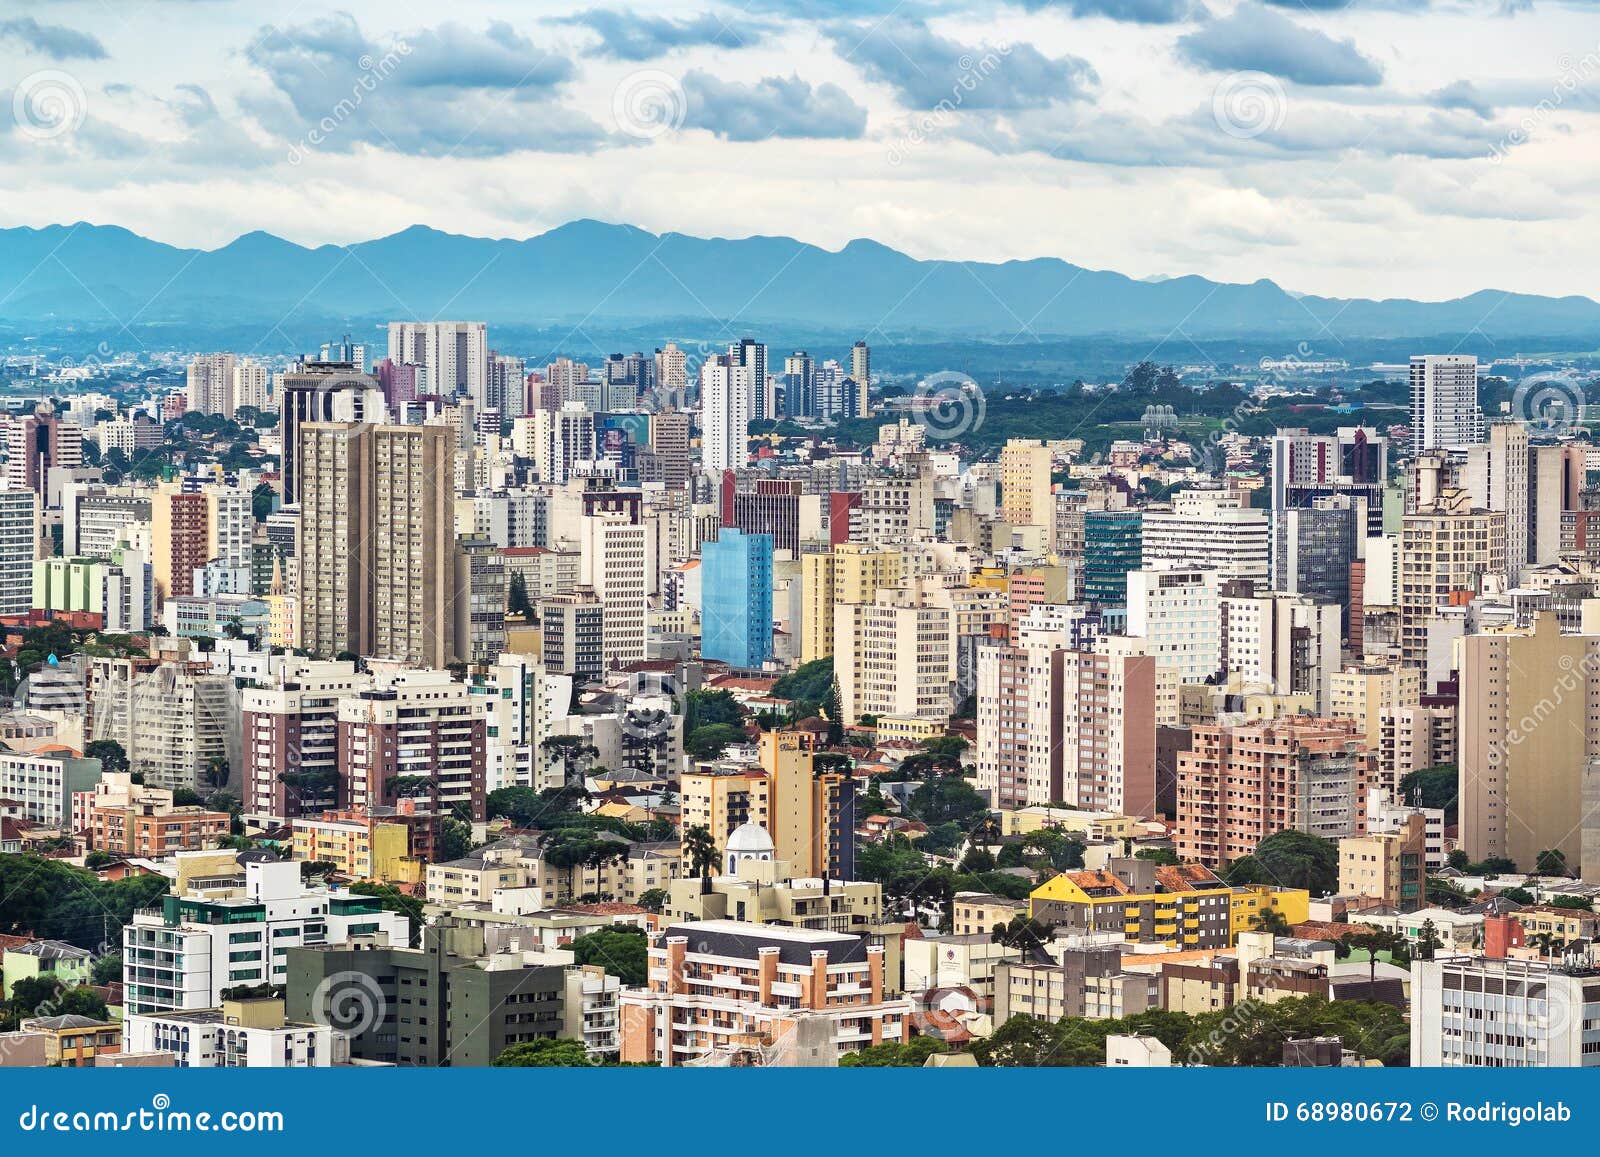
column 1382, row 148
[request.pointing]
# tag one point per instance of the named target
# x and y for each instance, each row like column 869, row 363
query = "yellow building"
column 1367, row 693
column 1390, row 867
column 1250, row 900
column 852, row 572
column 907, row 729
column 72, row 1042
column 804, row 813
column 363, row 845
column 1183, row 906
column 1095, row 825
column 1025, row 483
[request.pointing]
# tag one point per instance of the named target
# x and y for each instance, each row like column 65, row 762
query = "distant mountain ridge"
column 590, row 270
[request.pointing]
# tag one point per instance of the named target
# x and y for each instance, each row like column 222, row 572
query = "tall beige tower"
column 1527, row 699
column 377, row 541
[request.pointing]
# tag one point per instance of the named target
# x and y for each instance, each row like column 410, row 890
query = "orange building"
column 1239, row 785
column 719, row 984
column 129, row 819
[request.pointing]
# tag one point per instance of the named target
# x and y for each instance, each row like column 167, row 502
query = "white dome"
column 750, row 839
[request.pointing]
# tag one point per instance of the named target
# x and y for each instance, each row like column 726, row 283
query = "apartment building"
column 1447, row 550
column 1467, row 1011
column 240, row 1034
column 1526, row 736
column 420, row 733
column 291, row 738
column 228, row 923
column 719, row 984
column 1238, row 785
column 129, row 819
column 1390, row 867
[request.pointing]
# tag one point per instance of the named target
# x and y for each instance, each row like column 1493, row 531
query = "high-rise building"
column 456, row 354
column 852, row 572
column 895, row 655
column 1239, row 785
column 210, row 384
column 221, row 925
column 1056, row 723
column 1113, row 545
column 736, row 598
column 1216, row 532
column 1496, row 475
column 1557, row 478
column 377, row 542
column 751, row 355
column 618, row 563
column 1279, row 644
column 419, row 734
column 669, row 438
column 1504, row 1014
column 35, row 444
column 504, row 390
column 727, row 405
column 19, row 547
column 672, row 372
column 1444, row 402
column 861, row 372
column 1176, row 611
column 252, row 384
column 335, row 536
column 1446, row 552
column 1025, row 483
column 322, row 392
column 561, row 440
column 413, row 545
column 799, row 389
column 291, row 739
column 1526, row 736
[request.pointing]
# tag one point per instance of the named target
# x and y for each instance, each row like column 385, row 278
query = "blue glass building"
column 736, row 598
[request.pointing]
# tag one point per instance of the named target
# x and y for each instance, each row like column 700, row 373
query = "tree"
column 653, row 899
column 913, row 1054
column 1428, row 940
column 1022, row 932
column 978, row 860
column 454, row 842
column 1578, row 903
column 571, row 754
column 521, row 805
column 700, row 849
column 947, row 799
column 393, row 900
column 1551, row 862
column 1163, row 856
column 809, row 682
column 622, row 950
column 1291, row 859
column 1432, row 787
column 186, row 797
column 543, row 1054
column 709, row 742
column 703, row 708
column 1273, row 921
column 106, row 969
column 109, row 752
column 517, row 596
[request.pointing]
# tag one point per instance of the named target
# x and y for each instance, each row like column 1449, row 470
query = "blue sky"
column 1356, row 147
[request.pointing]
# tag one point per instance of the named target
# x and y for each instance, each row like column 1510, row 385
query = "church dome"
column 750, row 840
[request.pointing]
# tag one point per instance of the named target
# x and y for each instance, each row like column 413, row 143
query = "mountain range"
column 589, row 271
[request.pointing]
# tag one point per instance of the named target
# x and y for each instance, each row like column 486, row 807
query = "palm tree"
column 700, row 849
column 1271, row 920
